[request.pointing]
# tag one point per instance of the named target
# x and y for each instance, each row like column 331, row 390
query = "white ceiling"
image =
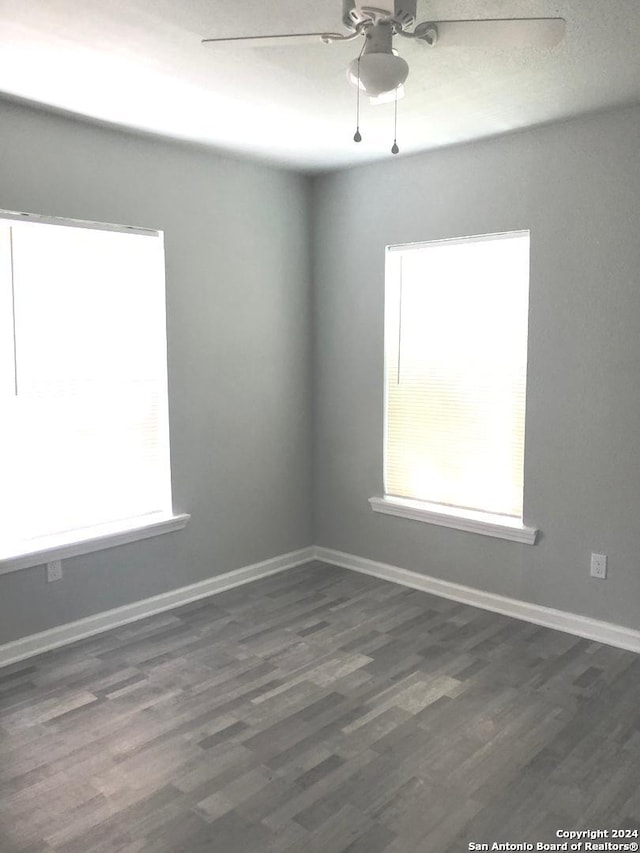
column 139, row 63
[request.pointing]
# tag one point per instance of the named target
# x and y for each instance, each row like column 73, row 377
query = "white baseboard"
column 571, row 623
column 44, row 641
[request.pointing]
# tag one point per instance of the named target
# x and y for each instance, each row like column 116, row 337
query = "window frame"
column 468, row 520
column 26, row 553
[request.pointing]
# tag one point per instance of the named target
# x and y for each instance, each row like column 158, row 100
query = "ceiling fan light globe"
column 378, row 72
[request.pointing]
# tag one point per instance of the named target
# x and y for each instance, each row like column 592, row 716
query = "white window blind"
column 456, row 319
column 83, row 385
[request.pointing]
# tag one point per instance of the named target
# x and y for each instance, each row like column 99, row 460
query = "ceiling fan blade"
column 285, row 40
column 499, row 33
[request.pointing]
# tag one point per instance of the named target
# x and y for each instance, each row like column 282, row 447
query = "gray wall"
column 236, row 238
column 576, row 185
column 241, row 340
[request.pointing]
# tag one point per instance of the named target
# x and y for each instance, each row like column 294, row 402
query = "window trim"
column 44, row 219
column 471, row 521
column 76, row 543
column 26, row 553
column 458, row 518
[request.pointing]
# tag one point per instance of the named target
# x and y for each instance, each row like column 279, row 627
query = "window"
column 84, row 437
column 456, row 314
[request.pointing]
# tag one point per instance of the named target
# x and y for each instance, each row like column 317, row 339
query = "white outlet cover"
column 54, row 571
column 599, row 566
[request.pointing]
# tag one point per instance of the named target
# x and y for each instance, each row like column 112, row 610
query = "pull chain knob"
column 394, row 147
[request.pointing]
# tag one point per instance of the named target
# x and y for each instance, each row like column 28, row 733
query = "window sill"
column 499, row 526
column 36, row 552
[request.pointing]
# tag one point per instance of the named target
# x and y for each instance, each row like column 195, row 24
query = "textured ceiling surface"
column 140, row 64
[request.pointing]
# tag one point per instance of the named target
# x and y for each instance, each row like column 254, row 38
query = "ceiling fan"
column 378, row 69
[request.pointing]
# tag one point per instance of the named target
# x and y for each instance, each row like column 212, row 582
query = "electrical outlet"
column 599, row 566
column 54, row 571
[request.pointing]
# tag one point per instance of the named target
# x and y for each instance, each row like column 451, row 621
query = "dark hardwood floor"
column 317, row 710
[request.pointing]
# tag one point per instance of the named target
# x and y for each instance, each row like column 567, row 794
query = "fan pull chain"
column 357, row 136
column 394, row 147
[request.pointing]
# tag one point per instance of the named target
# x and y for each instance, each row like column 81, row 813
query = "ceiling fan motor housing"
column 401, row 12
column 378, row 69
